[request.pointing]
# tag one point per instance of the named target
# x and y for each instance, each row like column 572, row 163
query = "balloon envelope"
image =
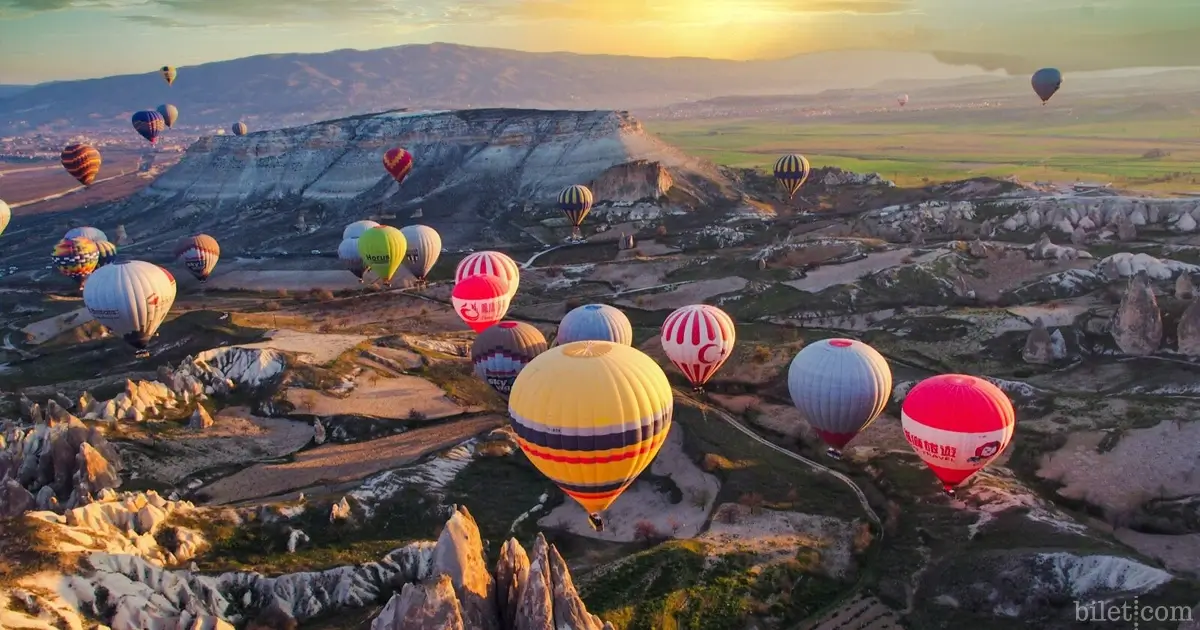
column 149, row 124
column 170, row 114
column 131, row 298
column 591, row 415
column 240, row 129
column 82, row 162
column 698, row 340
column 356, row 229
column 500, row 352
column 840, row 386
column 168, row 74
column 382, row 249
column 595, row 322
column 87, row 232
column 200, row 254
column 424, row 248
column 348, row 254
column 108, row 253
column 5, row 216
column 398, row 163
column 1046, row 83
column 575, row 202
column 791, row 171
column 76, row 258
column 957, row 424
column 491, row 264
column 480, row 301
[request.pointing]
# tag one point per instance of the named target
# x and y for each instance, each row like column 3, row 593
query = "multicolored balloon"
column 500, row 352
column 348, row 254
column 240, row 129
column 490, row 264
column 424, row 248
column 76, row 258
column 698, row 339
column 5, row 216
column 575, row 202
column 200, row 254
column 591, row 416
column 791, row 171
column 480, row 301
column 595, row 322
column 131, row 298
column 82, row 162
column 108, row 253
column 356, row 229
column 149, row 124
column 1046, row 83
column 170, row 114
column 840, row 386
column 398, row 163
column 168, row 74
column 382, row 250
column 903, row 100
column 87, row 232
column 957, row 425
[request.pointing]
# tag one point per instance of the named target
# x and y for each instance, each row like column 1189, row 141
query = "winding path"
column 728, row 418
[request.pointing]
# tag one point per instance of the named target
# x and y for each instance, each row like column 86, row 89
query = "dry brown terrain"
column 25, row 183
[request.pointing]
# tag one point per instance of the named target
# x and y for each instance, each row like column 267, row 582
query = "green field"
column 927, row 150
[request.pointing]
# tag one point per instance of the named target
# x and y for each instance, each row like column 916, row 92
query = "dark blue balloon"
column 1046, row 82
column 149, row 124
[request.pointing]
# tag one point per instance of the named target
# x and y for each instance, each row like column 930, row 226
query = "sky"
column 42, row 40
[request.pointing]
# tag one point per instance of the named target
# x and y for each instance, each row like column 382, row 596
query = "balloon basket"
column 596, row 523
column 834, row 453
column 141, row 354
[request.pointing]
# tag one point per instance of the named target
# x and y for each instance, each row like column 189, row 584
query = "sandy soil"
column 393, row 398
column 1145, row 464
column 339, row 463
column 830, row 275
column 643, row 502
column 1008, row 270
column 636, row 275
column 774, row 537
column 273, row 280
column 44, row 330
column 690, row 293
column 22, row 185
column 1177, row 553
column 784, row 420
column 861, row 613
column 236, row 436
column 322, row 348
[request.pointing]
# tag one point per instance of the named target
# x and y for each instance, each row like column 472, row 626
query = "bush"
column 760, row 354
column 645, row 531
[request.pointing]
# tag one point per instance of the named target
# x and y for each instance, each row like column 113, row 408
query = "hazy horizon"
column 96, row 38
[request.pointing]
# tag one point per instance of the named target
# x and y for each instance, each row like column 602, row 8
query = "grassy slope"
column 1042, row 147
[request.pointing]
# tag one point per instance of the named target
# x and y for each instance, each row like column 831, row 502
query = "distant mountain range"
column 286, row 89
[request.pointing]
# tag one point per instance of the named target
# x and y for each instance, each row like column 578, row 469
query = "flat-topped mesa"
column 1137, row 325
column 469, row 168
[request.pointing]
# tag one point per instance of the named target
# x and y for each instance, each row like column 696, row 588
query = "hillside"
column 278, row 90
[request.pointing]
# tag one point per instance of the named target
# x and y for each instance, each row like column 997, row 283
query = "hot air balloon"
column 82, row 162
column 240, row 129
column 5, row 216
column 957, row 424
column 575, row 202
column 840, row 386
column 595, row 322
column 500, row 353
column 76, row 258
column 491, row 264
column 356, row 229
column 382, row 249
column 107, row 251
column 1046, row 82
column 170, row 114
column 791, row 171
column 149, row 124
column 480, row 301
column 87, row 232
column 591, row 416
column 168, row 74
column 348, row 254
column 698, row 339
column 424, row 247
column 903, row 100
column 131, row 298
column 398, row 163
column 200, row 254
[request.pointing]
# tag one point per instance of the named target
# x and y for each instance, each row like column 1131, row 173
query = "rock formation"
column 1041, row 347
column 1184, row 289
column 1189, row 330
column 1137, row 325
column 54, row 464
column 200, row 419
column 1044, row 249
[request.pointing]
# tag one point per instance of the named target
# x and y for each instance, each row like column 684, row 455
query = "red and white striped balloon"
column 490, row 264
column 957, row 424
column 698, row 340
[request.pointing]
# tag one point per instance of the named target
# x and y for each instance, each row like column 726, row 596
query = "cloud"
column 692, row 11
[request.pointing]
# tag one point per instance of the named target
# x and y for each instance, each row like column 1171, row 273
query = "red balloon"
column 399, row 163
column 957, row 424
column 481, row 301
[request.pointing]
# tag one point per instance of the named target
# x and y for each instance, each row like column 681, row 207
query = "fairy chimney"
column 1184, row 289
column 1189, row 330
column 1137, row 325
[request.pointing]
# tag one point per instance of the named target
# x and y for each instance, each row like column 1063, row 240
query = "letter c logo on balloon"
column 702, row 355
column 986, row 451
column 469, row 312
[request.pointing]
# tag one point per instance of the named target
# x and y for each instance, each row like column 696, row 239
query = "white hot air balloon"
column 698, row 340
column 356, row 229
column 5, row 215
column 131, row 298
column 424, row 248
column 86, row 232
column 348, row 254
